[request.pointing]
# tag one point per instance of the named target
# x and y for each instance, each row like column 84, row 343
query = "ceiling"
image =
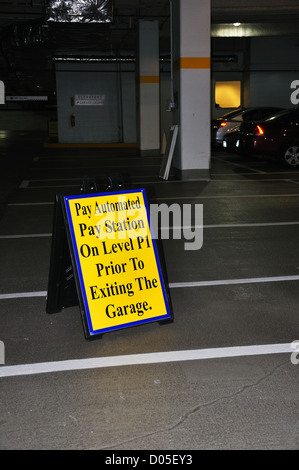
column 30, row 39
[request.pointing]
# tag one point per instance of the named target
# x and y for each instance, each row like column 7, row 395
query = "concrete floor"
column 230, row 380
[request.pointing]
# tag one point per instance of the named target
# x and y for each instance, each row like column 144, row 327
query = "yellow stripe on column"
column 193, row 63
column 149, row 79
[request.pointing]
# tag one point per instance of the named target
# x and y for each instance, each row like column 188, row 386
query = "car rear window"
column 258, row 114
column 230, row 115
column 284, row 116
column 251, row 115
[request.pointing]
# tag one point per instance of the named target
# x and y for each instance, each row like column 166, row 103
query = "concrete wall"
column 113, row 120
column 266, row 67
column 274, row 65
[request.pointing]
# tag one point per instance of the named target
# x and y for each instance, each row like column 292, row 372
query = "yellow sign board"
column 117, row 262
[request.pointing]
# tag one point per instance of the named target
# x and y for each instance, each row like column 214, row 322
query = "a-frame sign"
column 105, row 259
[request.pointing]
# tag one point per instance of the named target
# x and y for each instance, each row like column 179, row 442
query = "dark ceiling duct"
column 81, row 11
column 28, row 34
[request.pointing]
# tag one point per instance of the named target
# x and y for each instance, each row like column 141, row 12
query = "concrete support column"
column 148, row 103
column 191, row 21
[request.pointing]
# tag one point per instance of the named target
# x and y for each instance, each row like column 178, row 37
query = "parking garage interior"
column 223, row 374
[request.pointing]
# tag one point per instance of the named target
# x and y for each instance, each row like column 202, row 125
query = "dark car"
column 232, row 121
column 276, row 136
column 221, row 121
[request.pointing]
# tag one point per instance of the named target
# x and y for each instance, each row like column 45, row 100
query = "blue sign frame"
column 90, row 332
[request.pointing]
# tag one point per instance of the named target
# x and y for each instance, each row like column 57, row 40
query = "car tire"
column 290, row 155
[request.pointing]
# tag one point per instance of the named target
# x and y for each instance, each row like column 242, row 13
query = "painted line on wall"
column 142, row 359
column 149, row 79
column 192, row 63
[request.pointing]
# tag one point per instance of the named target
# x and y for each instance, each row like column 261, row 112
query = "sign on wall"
column 89, row 100
column 27, row 98
column 118, row 271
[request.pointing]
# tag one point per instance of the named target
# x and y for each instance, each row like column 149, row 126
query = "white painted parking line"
column 215, row 179
column 59, row 168
column 141, row 359
column 31, row 204
column 232, row 163
column 178, row 198
column 225, row 196
column 178, row 285
column 30, row 235
column 291, row 172
column 227, row 282
column 175, row 227
column 265, row 224
column 45, row 186
column 258, row 180
column 22, row 295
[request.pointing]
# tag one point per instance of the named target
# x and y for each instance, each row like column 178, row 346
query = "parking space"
column 221, row 376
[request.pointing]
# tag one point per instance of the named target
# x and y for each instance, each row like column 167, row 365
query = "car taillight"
column 258, row 130
column 223, row 124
